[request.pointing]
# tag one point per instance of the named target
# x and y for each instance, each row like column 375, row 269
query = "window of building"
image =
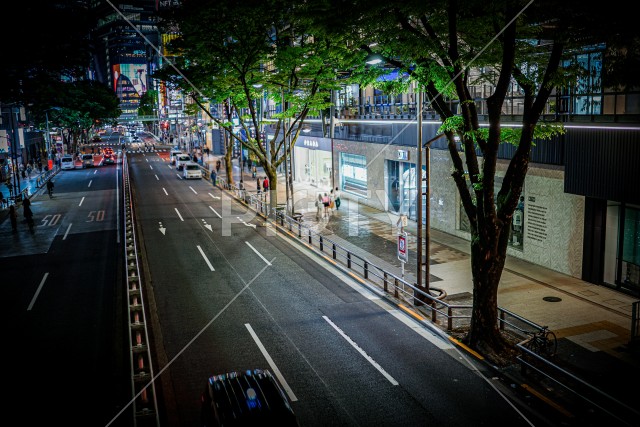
column 353, row 174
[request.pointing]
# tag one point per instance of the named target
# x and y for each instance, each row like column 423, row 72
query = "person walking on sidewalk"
column 318, row 206
column 218, row 164
column 50, row 188
column 13, row 216
column 265, row 184
column 336, row 195
column 326, row 202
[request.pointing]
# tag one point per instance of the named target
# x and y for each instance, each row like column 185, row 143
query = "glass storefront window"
column 401, row 188
column 353, row 174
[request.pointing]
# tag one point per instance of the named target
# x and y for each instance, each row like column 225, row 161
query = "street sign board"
column 403, row 253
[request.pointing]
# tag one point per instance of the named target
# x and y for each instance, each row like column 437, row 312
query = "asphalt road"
column 224, row 292
column 228, row 293
column 62, row 312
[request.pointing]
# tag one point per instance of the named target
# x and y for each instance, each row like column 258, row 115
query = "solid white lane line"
column 259, row 254
column 181, row 219
column 165, row 191
column 157, row 178
column 82, row 200
column 67, row 232
column 362, row 352
column 90, row 183
column 195, row 192
column 272, row 364
column 214, row 211
column 205, row 258
column 33, row 300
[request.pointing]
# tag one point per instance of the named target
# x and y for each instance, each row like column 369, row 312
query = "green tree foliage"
column 258, row 48
column 442, row 44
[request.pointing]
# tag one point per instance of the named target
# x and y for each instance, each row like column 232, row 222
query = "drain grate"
column 552, row 299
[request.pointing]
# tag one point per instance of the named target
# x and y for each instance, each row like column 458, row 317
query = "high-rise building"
column 126, row 43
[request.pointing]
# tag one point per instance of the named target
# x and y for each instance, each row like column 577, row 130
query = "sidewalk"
column 592, row 323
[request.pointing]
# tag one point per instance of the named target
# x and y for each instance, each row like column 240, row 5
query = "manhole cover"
column 552, row 299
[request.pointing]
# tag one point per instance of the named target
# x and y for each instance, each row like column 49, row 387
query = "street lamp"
column 426, row 229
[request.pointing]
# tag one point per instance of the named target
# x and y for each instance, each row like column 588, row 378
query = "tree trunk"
column 484, row 333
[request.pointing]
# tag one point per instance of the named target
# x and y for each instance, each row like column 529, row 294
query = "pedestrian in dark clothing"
column 258, row 184
column 14, row 218
column 214, row 178
column 218, row 163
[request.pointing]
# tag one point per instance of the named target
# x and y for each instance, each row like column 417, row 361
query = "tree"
column 441, row 44
column 258, row 47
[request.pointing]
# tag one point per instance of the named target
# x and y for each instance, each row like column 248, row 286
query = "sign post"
column 403, row 253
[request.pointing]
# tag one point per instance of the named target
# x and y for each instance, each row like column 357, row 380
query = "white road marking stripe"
column 214, row 211
column 33, row 300
column 362, row 352
column 272, row 364
column 90, row 183
column 181, row 219
column 82, row 200
column 259, row 254
column 67, row 232
column 151, row 166
column 193, row 190
column 157, row 178
column 205, row 258
column 165, row 191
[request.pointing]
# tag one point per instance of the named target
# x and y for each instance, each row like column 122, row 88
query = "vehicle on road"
column 172, row 156
column 87, row 160
column 191, row 170
column 67, row 162
column 181, row 159
column 246, row 398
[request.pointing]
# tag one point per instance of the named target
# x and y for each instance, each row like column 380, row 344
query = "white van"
column 181, row 159
column 191, row 170
column 67, row 162
column 173, row 155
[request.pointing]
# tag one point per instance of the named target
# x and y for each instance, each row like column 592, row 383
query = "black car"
column 253, row 397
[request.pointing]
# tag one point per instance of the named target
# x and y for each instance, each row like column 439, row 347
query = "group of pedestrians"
column 327, row 203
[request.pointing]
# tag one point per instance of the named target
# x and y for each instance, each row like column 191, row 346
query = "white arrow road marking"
column 193, row 190
column 89, row 183
column 162, row 229
column 272, row 364
column 259, row 254
column 205, row 258
column 214, row 211
column 362, row 352
column 82, row 200
column 245, row 223
column 179, row 214
column 157, row 178
column 165, row 191
column 215, row 197
column 207, row 225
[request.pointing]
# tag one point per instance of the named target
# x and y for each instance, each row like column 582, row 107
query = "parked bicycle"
column 543, row 342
